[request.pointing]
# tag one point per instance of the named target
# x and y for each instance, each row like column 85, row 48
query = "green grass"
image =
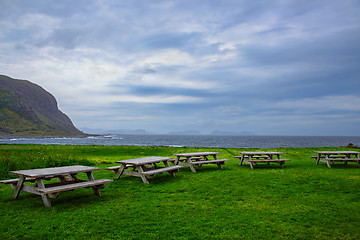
column 299, row 201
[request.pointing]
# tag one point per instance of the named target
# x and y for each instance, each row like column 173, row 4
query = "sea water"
column 210, row 141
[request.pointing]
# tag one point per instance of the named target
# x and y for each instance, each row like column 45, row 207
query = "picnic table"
column 67, row 180
column 197, row 159
column 330, row 157
column 261, row 157
column 146, row 167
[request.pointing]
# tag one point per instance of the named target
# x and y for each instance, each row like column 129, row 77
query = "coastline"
column 48, row 136
column 200, row 141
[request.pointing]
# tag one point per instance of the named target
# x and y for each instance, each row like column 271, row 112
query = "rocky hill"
column 26, row 110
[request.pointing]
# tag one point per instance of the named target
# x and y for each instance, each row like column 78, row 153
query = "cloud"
column 322, row 104
column 223, row 65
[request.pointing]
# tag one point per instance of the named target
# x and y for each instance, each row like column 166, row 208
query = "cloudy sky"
column 280, row 67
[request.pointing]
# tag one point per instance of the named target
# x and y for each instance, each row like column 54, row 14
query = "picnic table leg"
column 280, row 162
column 318, row 159
column 251, row 165
column 348, row 156
column 241, row 159
column 177, row 160
column 357, row 156
column 328, row 163
column 19, row 186
column 143, row 177
column 61, row 178
column 188, row 160
column 73, row 177
column 250, row 162
column 166, row 163
column 120, row 171
column 268, row 157
column 91, row 178
column 45, row 197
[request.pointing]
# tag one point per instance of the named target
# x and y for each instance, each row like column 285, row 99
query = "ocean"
column 210, row 141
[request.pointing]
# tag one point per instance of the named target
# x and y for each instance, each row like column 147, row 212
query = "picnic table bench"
column 261, row 157
column 197, row 159
column 330, row 157
column 146, row 167
column 67, row 181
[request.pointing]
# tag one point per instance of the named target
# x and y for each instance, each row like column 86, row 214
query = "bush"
column 350, row 145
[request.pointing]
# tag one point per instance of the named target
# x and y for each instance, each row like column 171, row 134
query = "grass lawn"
column 299, row 201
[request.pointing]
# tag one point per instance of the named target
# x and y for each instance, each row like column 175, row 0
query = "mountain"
column 27, row 110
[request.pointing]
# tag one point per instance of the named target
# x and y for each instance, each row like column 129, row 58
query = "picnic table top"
column 261, row 153
column 337, row 152
column 144, row 160
column 44, row 172
column 195, row 154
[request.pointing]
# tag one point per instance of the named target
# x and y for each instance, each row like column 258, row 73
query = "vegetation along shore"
column 300, row 201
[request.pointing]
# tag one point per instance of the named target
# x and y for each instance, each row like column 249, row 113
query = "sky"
column 280, row 67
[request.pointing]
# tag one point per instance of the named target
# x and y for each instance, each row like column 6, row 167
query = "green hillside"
column 26, row 110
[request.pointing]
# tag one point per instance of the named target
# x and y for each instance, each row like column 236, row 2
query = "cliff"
column 27, row 110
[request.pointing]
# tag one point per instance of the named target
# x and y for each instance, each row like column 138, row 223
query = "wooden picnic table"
column 330, row 157
column 146, row 167
column 67, row 180
column 197, row 159
column 261, row 157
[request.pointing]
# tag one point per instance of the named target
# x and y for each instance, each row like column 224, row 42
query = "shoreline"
column 48, row 136
column 260, row 142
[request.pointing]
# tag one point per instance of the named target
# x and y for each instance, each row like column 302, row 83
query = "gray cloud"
column 267, row 67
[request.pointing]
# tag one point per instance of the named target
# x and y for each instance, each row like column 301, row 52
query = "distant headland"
column 27, row 110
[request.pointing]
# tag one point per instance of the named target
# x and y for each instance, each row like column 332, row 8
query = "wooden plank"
column 113, row 168
column 196, row 154
column 130, row 173
column 328, row 164
column 337, row 152
column 30, row 189
column 329, row 157
column 143, row 178
column 262, row 157
column 62, row 183
column 15, row 180
column 328, row 161
column 161, row 170
column 57, row 171
column 92, row 179
column 73, row 186
column 210, row 161
column 18, row 187
column 145, row 160
column 266, row 160
column 172, row 173
column 118, row 167
column 342, row 159
column 44, row 197
column 120, row 171
column 261, row 153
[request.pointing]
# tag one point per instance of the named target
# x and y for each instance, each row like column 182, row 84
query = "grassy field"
column 299, row 201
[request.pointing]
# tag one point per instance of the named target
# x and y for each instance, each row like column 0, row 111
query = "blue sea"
column 210, row 141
